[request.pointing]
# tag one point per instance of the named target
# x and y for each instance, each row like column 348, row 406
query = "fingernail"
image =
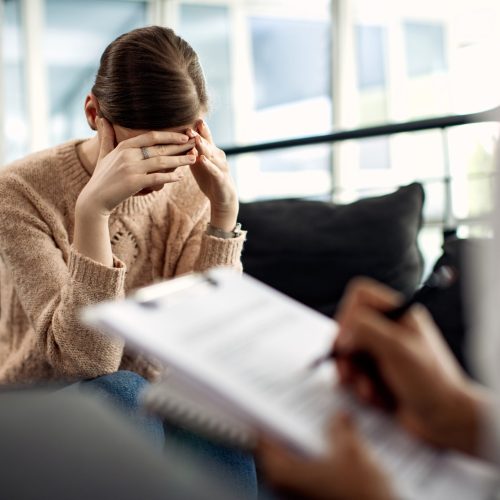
column 191, row 159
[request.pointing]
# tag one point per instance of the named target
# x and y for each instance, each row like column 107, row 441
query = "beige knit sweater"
column 44, row 282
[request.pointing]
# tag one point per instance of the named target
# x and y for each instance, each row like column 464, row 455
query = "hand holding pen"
column 363, row 362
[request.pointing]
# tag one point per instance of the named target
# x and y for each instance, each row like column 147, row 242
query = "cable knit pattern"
column 44, row 281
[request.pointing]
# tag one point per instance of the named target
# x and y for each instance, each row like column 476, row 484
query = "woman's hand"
column 122, row 171
column 349, row 471
column 211, row 172
column 434, row 399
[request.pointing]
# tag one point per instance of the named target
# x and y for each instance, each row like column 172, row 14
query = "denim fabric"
column 233, row 465
column 122, row 389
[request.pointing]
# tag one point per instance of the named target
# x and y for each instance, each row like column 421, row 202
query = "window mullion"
column 2, row 90
column 33, row 15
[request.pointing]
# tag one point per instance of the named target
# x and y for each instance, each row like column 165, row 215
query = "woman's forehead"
column 128, row 133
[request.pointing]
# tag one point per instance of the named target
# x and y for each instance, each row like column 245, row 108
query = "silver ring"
column 145, row 153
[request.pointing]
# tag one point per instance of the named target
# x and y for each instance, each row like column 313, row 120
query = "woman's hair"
column 150, row 78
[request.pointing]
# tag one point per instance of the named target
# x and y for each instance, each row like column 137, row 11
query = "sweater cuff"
column 95, row 275
column 220, row 251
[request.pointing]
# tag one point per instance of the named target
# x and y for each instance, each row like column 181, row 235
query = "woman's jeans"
column 122, row 390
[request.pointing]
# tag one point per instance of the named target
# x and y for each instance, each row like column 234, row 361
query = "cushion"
column 311, row 249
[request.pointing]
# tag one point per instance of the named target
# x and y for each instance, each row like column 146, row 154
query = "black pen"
column 440, row 279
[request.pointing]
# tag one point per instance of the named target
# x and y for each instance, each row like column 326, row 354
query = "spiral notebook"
column 236, row 354
column 191, row 408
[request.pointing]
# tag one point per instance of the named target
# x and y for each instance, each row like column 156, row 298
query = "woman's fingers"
column 164, row 150
column 204, row 131
column 164, row 163
column 214, row 154
column 154, row 138
column 159, row 179
column 210, row 166
column 203, row 147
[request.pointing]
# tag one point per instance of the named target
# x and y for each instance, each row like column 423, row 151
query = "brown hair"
column 150, row 78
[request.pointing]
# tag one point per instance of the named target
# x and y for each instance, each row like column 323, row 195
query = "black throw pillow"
column 311, row 249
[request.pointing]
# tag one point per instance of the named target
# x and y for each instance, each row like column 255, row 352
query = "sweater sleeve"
column 52, row 288
column 202, row 251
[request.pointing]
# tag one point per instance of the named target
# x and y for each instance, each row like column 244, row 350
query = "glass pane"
column 290, row 57
column 371, row 56
column 377, row 165
column 425, row 48
column 374, row 154
column 73, row 44
column 294, row 172
column 213, row 48
column 472, row 150
column 429, row 80
column 371, row 69
column 16, row 130
column 268, row 70
column 291, row 77
column 414, row 61
column 285, row 51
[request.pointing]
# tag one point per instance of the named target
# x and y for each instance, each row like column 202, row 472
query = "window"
column 268, row 68
column 413, row 62
column 207, row 29
column 73, row 43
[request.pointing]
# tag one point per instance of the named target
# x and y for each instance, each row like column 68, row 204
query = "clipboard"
column 225, row 335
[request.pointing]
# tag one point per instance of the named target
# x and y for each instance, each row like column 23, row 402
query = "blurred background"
column 283, row 69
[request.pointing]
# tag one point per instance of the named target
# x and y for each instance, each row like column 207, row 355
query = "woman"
column 148, row 197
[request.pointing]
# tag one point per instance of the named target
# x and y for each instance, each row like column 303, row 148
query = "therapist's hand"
column 348, row 472
column 434, row 398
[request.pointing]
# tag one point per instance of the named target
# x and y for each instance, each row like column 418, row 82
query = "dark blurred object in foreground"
column 65, row 445
column 451, row 308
